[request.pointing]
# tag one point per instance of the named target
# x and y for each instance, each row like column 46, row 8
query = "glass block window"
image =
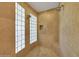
column 33, row 29
column 19, row 28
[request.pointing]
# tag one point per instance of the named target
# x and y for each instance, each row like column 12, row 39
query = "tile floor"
column 40, row 51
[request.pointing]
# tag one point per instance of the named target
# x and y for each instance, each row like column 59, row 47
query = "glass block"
column 19, row 22
column 23, row 10
column 23, row 28
column 19, row 7
column 16, row 28
column 23, row 46
column 19, row 32
column 16, row 45
column 19, row 48
column 15, row 5
column 31, row 41
column 23, row 19
column 31, row 26
column 23, row 33
column 16, row 10
column 31, row 32
column 16, row 15
column 19, row 18
column 33, row 29
column 16, row 22
column 16, row 38
column 23, row 23
column 23, row 14
column 19, row 43
column 16, row 50
column 23, row 37
column 23, row 41
column 19, row 12
column 19, row 27
column 19, row 38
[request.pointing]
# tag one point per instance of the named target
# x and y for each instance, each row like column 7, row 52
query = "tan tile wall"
column 69, row 29
column 48, row 35
column 7, row 29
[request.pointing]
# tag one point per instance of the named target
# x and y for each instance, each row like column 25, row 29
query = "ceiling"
column 42, row 6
